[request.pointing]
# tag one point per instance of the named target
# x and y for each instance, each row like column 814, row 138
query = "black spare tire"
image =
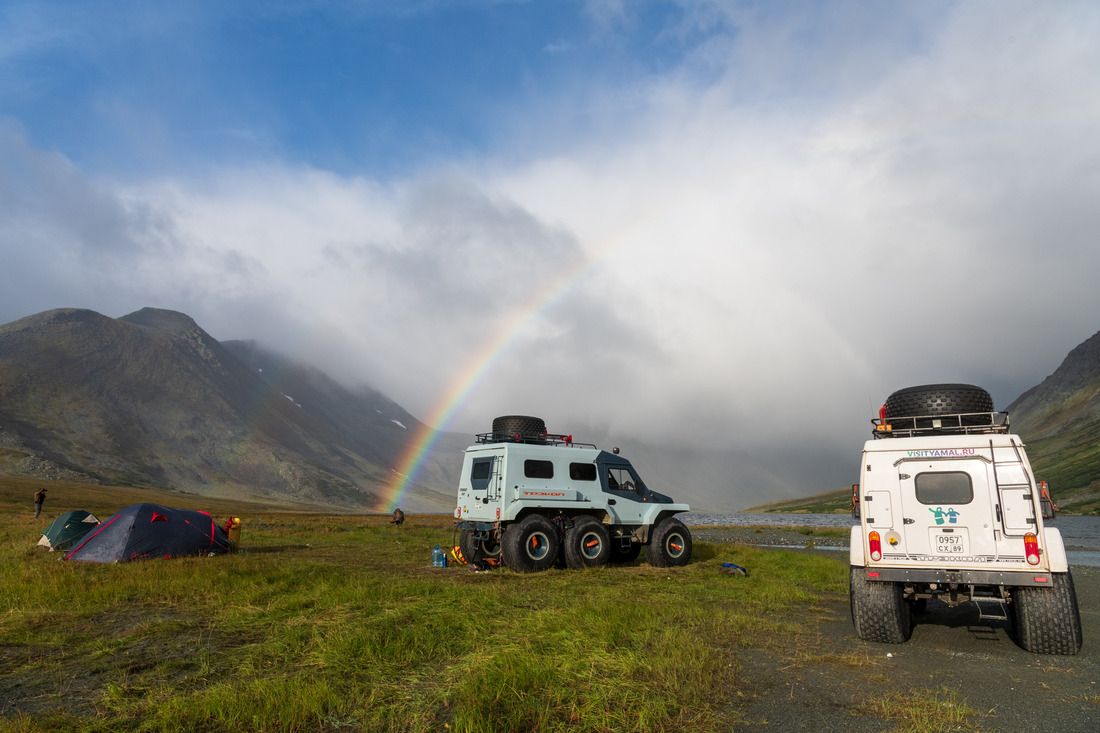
column 525, row 426
column 930, row 400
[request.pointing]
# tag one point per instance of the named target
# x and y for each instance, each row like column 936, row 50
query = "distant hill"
column 150, row 399
column 834, row 501
column 1060, row 421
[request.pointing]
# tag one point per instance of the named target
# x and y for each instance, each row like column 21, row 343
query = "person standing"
column 39, row 499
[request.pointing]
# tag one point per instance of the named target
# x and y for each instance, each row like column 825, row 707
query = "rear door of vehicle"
column 948, row 510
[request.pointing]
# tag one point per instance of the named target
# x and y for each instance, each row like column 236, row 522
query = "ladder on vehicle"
column 1020, row 481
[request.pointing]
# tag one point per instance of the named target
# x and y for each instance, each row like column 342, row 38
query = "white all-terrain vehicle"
column 528, row 498
column 949, row 509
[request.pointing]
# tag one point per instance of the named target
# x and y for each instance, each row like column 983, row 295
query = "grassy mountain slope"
column 150, row 399
column 1059, row 419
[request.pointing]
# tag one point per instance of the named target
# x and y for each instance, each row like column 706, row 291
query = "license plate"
column 950, row 544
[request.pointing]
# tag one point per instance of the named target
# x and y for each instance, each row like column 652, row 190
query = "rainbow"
column 474, row 371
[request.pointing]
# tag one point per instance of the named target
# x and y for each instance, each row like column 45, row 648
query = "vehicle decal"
column 939, row 513
column 941, row 453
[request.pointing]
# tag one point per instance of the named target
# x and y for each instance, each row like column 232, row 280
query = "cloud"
column 750, row 249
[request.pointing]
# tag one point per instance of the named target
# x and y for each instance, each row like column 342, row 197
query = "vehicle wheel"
column 879, row 610
column 468, row 545
column 587, row 544
column 623, row 551
column 476, row 548
column 490, row 547
column 938, row 399
column 1047, row 619
column 508, row 426
column 669, row 544
column 530, row 545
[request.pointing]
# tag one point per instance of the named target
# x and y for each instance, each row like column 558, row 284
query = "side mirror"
column 855, row 501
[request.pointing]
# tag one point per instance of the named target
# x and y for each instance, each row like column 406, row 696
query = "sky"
column 697, row 222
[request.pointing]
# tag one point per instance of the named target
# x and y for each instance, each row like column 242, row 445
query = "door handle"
column 611, row 502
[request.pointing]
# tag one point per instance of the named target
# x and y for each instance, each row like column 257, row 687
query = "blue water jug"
column 439, row 558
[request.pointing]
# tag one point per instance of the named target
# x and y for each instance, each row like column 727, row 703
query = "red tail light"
column 1031, row 548
column 876, row 546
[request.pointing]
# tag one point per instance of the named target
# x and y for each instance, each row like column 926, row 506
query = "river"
column 1081, row 535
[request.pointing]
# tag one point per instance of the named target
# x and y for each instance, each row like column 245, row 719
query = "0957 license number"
column 947, row 544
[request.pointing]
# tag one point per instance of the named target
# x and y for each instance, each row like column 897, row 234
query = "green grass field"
column 337, row 622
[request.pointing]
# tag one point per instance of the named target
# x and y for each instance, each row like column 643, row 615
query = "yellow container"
column 234, row 533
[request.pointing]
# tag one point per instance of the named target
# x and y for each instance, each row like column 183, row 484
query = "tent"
column 64, row 531
column 151, row 531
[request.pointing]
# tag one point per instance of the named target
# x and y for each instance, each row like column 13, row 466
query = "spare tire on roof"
column 524, row 426
column 931, row 400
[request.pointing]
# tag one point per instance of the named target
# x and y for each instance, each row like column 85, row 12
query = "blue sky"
column 693, row 218
column 375, row 87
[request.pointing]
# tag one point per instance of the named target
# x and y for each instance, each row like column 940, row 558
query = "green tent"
column 64, row 531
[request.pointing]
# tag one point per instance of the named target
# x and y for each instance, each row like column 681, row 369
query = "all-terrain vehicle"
column 949, row 509
column 530, row 499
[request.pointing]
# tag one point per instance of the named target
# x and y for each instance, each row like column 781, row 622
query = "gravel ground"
column 767, row 536
column 827, row 685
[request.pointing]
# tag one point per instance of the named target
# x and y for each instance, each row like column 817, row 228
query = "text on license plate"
column 950, row 544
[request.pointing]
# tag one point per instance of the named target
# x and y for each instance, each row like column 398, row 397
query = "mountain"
column 150, row 399
column 1059, row 419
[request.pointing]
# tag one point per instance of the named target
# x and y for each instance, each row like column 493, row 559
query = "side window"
column 582, row 471
column 480, row 472
column 944, row 487
column 619, row 479
column 538, row 469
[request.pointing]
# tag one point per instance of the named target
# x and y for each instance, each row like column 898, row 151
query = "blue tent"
column 146, row 531
column 64, row 531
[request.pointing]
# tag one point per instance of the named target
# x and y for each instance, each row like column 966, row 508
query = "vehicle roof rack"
column 953, row 424
column 532, row 439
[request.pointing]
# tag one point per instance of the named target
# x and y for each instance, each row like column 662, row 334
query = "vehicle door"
column 947, row 508
column 625, row 493
column 1015, row 492
column 484, row 482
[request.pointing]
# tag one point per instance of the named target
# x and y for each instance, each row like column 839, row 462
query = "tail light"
column 1031, row 548
column 876, row 546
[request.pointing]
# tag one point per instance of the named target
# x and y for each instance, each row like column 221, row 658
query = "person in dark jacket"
column 39, row 499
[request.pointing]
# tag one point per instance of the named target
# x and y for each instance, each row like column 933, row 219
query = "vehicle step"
column 992, row 605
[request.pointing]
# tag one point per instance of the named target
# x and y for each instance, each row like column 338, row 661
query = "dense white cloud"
column 806, row 213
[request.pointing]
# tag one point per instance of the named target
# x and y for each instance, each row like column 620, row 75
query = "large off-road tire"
column 1047, row 619
column 624, row 553
column 507, row 427
column 669, row 544
column 587, row 544
column 474, row 548
column 468, row 546
column 531, row 544
column 879, row 609
column 938, row 399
